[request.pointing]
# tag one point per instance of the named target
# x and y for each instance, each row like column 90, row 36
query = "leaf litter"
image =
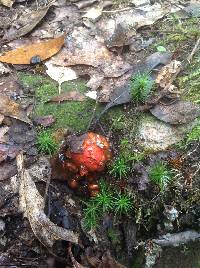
column 90, row 47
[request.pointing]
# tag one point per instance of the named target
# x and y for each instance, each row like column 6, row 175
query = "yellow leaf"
column 23, row 55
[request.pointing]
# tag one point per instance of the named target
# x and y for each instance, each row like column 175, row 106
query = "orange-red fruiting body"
column 95, row 152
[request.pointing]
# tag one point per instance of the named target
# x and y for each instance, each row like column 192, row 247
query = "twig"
column 195, row 49
column 117, row 10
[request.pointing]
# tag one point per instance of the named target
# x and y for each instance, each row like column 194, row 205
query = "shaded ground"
column 120, row 235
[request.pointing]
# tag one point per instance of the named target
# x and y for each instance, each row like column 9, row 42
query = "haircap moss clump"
column 120, row 167
column 141, row 86
column 160, row 175
column 106, row 201
column 123, row 203
column 46, row 144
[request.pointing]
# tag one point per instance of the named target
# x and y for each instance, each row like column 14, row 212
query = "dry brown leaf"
column 3, row 131
column 164, row 76
column 23, row 55
column 68, row 96
column 32, row 205
column 7, row 3
column 1, row 118
column 83, row 48
column 12, row 109
column 8, row 151
column 26, row 23
column 180, row 112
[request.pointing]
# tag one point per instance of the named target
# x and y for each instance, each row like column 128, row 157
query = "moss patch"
column 69, row 114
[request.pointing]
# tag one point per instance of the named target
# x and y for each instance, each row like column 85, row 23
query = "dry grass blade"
column 32, row 205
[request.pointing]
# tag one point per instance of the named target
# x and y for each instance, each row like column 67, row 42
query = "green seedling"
column 194, row 134
column 91, row 214
column 141, row 86
column 160, row 175
column 46, row 143
column 107, row 201
column 97, row 206
column 120, row 167
column 123, row 203
column 104, row 199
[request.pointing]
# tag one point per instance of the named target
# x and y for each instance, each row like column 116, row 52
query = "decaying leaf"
column 166, row 73
column 8, row 151
column 85, row 3
column 73, row 260
column 7, row 3
column 68, row 96
column 3, row 131
column 93, row 13
column 59, row 73
column 3, row 69
column 180, row 112
column 64, row 16
column 26, row 23
column 83, row 48
column 12, row 109
column 45, row 121
column 125, row 23
column 23, row 55
column 32, row 205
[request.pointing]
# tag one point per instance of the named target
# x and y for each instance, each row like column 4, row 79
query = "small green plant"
column 141, row 87
column 46, row 143
column 91, row 214
column 160, row 175
column 194, row 134
column 120, row 167
column 123, row 203
column 104, row 199
column 107, row 201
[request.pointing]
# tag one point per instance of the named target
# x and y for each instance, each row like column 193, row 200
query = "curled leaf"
column 32, row 205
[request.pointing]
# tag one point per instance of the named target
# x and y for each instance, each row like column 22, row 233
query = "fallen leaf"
column 3, row 131
column 165, row 74
column 10, row 86
column 7, row 3
column 23, row 55
column 45, row 121
column 8, row 151
column 93, row 13
column 3, row 69
column 26, row 23
column 68, row 96
column 32, row 205
column 180, row 112
column 83, row 48
column 59, row 73
column 1, row 118
column 67, row 15
column 12, row 109
column 85, row 3
column 126, row 23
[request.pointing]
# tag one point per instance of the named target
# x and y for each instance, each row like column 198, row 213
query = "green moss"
column 177, row 32
column 46, row 144
column 141, row 86
column 160, row 175
column 68, row 114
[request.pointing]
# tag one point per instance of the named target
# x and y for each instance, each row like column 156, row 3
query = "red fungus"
column 83, row 156
column 95, row 152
